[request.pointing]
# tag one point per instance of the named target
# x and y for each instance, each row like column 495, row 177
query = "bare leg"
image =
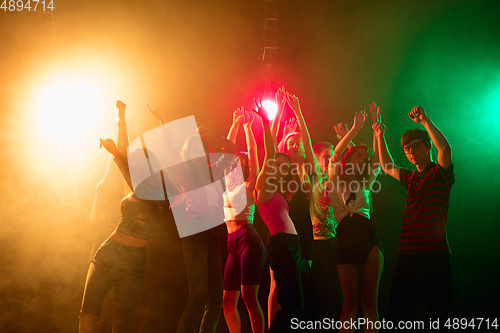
column 370, row 279
column 250, row 297
column 349, row 280
column 229, row 305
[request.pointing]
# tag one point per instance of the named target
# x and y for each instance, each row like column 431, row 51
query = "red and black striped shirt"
column 426, row 211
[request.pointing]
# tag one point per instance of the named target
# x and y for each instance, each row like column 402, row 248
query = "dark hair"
column 243, row 159
column 288, row 178
column 320, row 146
column 150, row 185
column 281, row 154
column 189, row 141
column 188, row 163
column 414, row 134
column 366, row 171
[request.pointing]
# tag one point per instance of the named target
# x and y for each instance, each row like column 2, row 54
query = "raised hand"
column 110, row 146
column 378, row 129
column 206, row 132
column 375, row 112
column 248, row 119
column 156, row 114
column 341, row 130
column 290, row 126
column 359, row 119
column 238, row 115
column 417, row 114
column 121, row 109
column 260, row 111
column 293, row 102
column 280, row 95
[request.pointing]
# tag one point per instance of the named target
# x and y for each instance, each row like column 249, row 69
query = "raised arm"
column 123, row 141
column 342, row 130
column 417, row 114
column 290, row 127
column 293, row 102
column 359, row 121
column 253, row 158
column 280, row 103
column 119, row 158
column 376, row 118
column 263, row 187
column 172, row 176
column 217, row 139
column 238, row 116
column 385, row 157
column 227, row 147
column 156, row 114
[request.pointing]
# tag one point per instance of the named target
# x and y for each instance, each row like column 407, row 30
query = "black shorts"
column 356, row 236
column 246, row 258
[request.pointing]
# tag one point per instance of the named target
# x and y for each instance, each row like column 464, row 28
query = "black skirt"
column 356, row 236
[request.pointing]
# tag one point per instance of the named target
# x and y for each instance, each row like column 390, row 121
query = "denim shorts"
column 121, row 259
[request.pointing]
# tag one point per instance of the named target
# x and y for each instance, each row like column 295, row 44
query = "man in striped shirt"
column 423, row 266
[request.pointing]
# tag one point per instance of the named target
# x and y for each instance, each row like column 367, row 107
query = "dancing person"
column 121, row 259
column 246, row 252
column 303, row 199
column 283, row 249
column 359, row 249
column 105, row 215
column 201, row 251
column 423, row 266
column 324, row 264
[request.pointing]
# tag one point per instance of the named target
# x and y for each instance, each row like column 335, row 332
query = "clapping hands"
column 248, row 118
column 238, row 115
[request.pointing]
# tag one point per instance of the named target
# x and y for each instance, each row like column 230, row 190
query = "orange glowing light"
column 68, row 108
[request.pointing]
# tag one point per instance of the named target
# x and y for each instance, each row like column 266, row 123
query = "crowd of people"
column 324, row 252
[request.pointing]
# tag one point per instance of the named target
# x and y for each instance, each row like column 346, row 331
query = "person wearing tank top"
column 302, row 199
column 359, row 249
column 246, row 252
column 121, row 260
column 291, row 271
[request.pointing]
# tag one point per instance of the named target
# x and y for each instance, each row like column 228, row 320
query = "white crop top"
column 239, row 204
column 344, row 203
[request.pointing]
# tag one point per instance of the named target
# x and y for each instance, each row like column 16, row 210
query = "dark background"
column 203, row 58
